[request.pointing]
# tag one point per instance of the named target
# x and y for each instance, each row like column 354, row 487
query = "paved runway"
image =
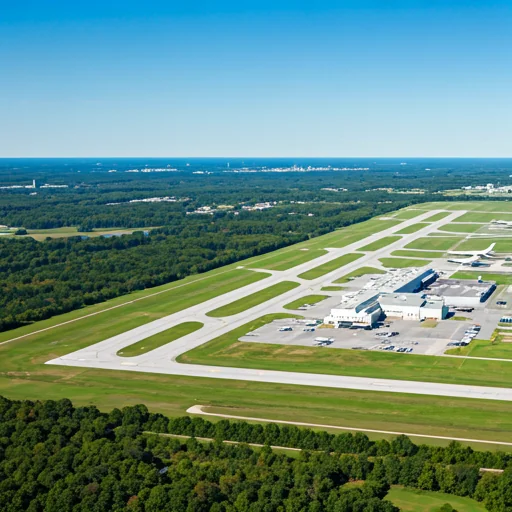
column 163, row 359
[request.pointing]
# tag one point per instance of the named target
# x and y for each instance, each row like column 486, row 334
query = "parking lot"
column 412, row 335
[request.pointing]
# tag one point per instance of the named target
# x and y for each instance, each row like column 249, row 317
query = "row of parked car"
column 469, row 335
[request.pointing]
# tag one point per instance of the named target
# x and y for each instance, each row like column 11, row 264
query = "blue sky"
column 354, row 78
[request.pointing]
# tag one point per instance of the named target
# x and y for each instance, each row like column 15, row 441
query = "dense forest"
column 54, row 457
column 41, row 279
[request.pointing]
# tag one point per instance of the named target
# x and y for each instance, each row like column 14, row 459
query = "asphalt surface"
column 162, row 360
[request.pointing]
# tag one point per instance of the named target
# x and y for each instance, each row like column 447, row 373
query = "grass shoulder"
column 160, row 339
column 308, row 299
column 363, row 271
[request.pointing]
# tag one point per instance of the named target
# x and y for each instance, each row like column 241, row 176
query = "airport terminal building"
column 395, row 294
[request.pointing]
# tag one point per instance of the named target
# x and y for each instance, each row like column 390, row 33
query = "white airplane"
column 507, row 223
column 473, row 261
column 486, row 253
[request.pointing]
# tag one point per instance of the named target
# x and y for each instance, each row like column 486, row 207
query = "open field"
column 453, row 227
column 309, row 299
column 475, row 206
column 42, row 234
column 499, row 278
column 226, row 350
column 483, row 217
column 403, row 262
column 415, row 500
column 283, row 260
column 379, row 244
column 418, row 254
column 412, row 229
column 148, row 344
column 321, row 270
column 358, row 273
column 434, row 243
column 473, row 244
column 254, row 299
column 332, row 288
column 437, row 216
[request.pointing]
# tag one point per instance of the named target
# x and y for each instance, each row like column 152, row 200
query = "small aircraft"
column 473, row 261
column 486, row 253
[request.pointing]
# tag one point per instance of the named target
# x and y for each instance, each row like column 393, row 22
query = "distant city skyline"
column 259, row 79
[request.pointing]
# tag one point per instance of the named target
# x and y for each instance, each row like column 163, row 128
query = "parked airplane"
column 473, row 261
column 486, row 253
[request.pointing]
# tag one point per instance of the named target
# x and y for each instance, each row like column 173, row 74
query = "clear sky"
column 256, row 78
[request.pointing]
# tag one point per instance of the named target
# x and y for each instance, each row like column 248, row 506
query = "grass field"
column 363, row 271
column 227, row 351
column 418, row 254
column 412, row 228
column 379, row 244
column 437, row 216
column 309, row 299
column 160, row 339
column 408, row 214
column 254, row 299
column 480, row 206
column 415, row 500
column 483, row 217
column 434, row 243
column 332, row 289
column 284, row 259
column 499, row 346
column 334, row 264
column 42, row 234
column 403, row 262
column 453, row 227
column 499, row 278
column 473, row 244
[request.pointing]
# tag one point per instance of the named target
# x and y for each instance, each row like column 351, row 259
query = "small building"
column 462, row 292
column 364, row 309
column 412, row 306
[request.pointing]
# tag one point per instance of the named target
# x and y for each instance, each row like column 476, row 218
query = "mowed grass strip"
column 434, row 243
column 412, row 228
column 453, row 227
column 254, row 299
column 483, row 218
column 485, row 348
column 286, row 259
column 409, row 214
column 226, row 351
column 363, row 271
column 330, row 266
column 403, row 262
column 332, row 288
column 309, row 299
column 437, row 216
column 160, row 339
column 379, row 244
column 415, row 500
column 418, row 254
column 474, row 244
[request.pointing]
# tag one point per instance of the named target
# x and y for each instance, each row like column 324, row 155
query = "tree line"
column 55, row 457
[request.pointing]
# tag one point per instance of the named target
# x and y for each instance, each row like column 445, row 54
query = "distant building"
column 412, row 306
